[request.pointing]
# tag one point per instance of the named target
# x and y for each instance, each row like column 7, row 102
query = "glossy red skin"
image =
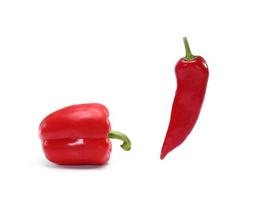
column 77, row 135
column 192, row 78
column 77, row 151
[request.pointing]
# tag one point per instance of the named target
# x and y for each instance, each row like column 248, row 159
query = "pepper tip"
column 162, row 156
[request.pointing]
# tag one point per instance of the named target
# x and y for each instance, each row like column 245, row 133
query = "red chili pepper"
column 78, row 134
column 192, row 77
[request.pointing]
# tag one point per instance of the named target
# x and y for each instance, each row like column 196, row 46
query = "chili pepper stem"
column 126, row 145
column 189, row 55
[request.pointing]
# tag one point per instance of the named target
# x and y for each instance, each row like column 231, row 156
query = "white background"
column 122, row 54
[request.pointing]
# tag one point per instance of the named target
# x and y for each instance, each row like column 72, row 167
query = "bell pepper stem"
column 126, row 145
column 189, row 55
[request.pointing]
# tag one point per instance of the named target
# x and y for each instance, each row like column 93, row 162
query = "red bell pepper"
column 79, row 134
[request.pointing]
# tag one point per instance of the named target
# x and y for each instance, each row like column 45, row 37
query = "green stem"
column 189, row 55
column 126, row 145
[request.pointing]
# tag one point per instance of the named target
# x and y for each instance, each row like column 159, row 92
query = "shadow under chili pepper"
column 80, row 167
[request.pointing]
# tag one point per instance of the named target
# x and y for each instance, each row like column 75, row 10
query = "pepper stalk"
column 126, row 145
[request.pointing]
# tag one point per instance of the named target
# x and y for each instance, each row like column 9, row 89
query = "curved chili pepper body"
column 79, row 134
column 192, row 77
